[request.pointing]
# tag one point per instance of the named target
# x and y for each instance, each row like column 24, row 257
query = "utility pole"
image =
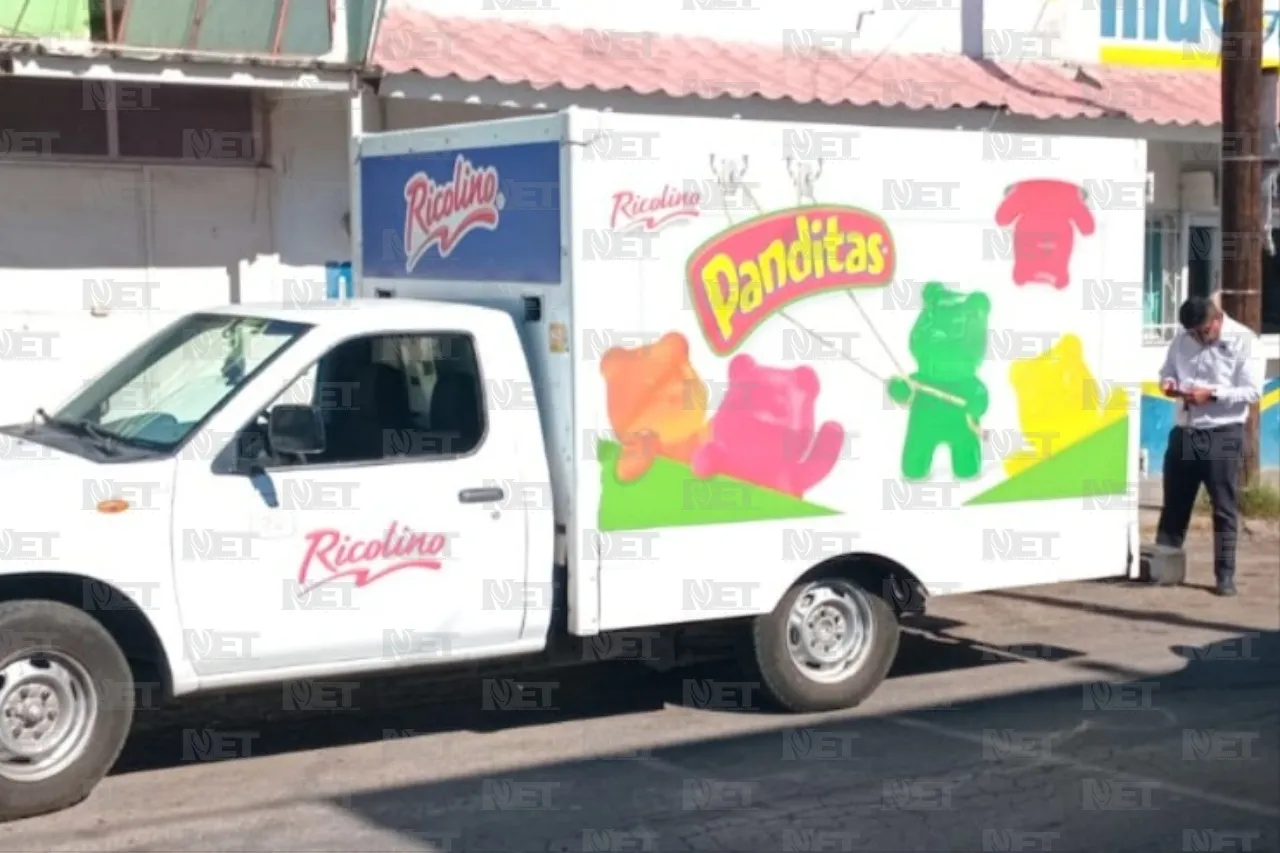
column 1241, row 197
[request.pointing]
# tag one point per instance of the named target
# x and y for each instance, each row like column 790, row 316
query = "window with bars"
column 207, row 125
column 1165, row 286
column 1162, row 276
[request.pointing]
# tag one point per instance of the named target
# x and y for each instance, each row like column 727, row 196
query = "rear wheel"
column 827, row 645
column 66, row 704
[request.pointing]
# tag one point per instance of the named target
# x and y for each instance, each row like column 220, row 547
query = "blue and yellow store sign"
column 1174, row 34
column 1158, row 416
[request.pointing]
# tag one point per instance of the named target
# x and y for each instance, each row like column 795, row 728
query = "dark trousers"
column 1209, row 457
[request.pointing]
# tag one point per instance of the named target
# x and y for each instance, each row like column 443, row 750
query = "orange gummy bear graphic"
column 657, row 403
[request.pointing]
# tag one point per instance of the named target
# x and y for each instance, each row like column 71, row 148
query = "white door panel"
column 355, row 562
column 403, row 556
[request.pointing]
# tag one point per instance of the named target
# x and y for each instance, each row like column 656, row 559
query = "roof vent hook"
column 1079, row 75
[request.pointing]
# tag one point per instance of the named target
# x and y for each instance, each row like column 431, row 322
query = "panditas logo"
column 653, row 212
column 742, row 276
column 441, row 215
column 333, row 555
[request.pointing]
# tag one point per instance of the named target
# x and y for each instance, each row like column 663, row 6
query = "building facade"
column 157, row 156
column 206, row 157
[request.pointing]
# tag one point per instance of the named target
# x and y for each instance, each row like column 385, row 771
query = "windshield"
column 162, row 391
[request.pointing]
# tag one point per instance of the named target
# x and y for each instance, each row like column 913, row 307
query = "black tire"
column 33, row 626
column 790, row 688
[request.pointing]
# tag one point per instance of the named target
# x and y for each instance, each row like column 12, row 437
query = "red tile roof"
column 546, row 56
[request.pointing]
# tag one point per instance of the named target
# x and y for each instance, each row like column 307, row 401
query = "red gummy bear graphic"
column 1043, row 214
column 763, row 432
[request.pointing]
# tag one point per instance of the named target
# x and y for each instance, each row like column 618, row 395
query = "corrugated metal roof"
column 545, row 56
column 96, row 50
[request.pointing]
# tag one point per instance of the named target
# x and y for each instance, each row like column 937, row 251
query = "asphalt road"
column 1139, row 720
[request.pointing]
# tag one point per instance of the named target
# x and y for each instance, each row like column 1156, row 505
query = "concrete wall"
column 159, row 240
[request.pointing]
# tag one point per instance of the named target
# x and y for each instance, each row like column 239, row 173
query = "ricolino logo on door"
column 442, row 215
column 335, row 555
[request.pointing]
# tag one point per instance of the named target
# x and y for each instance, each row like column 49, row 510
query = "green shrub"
column 1260, row 500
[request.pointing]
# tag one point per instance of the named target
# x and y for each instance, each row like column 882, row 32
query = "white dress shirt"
column 1232, row 367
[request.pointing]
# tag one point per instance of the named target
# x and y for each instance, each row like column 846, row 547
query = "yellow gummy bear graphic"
column 1059, row 403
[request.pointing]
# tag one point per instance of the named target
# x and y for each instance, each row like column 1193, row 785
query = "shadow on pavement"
column 1187, row 762
column 350, row 712
column 1161, row 617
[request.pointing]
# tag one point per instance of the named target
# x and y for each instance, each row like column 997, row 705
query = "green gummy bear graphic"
column 949, row 342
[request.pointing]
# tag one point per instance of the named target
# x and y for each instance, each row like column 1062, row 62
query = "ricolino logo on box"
column 441, row 215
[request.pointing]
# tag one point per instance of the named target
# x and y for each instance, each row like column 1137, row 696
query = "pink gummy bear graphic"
column 1043, row 214
column 763, row 432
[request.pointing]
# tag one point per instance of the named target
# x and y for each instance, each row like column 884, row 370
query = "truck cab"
column 281, row 493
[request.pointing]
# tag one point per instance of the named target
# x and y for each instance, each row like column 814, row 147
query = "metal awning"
column 478, row 50
column 24, row 58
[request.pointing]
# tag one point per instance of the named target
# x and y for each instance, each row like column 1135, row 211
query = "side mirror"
column 297, row 430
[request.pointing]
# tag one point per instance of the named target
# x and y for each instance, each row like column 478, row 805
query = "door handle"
column 481, row 496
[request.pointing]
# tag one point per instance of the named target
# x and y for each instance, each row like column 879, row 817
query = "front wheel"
column 66, row 705
column 827, row 645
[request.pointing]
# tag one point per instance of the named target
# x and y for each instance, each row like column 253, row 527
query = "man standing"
column 1212, row 371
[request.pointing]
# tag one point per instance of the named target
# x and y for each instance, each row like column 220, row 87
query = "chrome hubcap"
column 829, row 630
column 48, row 707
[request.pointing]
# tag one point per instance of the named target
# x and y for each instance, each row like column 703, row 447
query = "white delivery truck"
column 615, row 373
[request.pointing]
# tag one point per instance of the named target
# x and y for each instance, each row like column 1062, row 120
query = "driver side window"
column 301, row 392
column 392, row 396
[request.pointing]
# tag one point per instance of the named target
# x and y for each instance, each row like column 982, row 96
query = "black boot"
column 1226, row 586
